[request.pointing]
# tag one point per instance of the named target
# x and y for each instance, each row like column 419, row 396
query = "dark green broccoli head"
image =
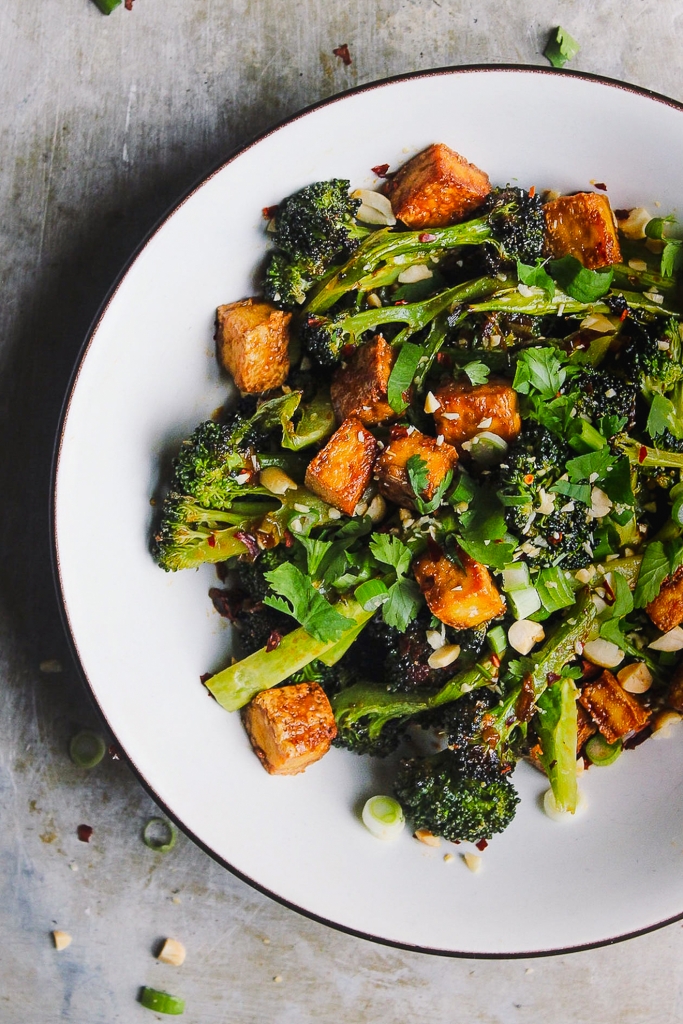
column 316, row 225
column 260, row 625
column 190, row 535
column 250, row 573
column 356, row 736
column 323, row 338
column 209, row 461
column 601, row 393
column 651, row 353
column 517, row 226
column 285, row 283
column 562, row 537
column 332, row 678
column 442, row 795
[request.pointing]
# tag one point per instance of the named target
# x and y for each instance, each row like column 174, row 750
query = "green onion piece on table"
column 162, row 1002
column 107, row 6
column 159, row 835
column 560, row 48
column 87, row 749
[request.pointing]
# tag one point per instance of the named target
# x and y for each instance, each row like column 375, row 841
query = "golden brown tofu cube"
column 392, row 474
column 666, row 611
column 586, row 727
column 290, row 727
column 674, row 696
column 583, row 226
column 459, row 595
column 360, row 387
column 615, row 712
column 252, row 339
column 466, row 410
column 340, row 472
column 435, row 188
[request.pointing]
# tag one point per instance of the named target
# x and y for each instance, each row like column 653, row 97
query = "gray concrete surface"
column 103, row 122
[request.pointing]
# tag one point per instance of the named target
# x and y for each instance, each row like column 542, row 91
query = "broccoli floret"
column 533, row 464
column 651, row 354
column 285, row 284
column 600, row 393
column 250, row 571
column 517, row 227
column 260, row 626
column 209, row 461
column 438, row 794
column 358, row 737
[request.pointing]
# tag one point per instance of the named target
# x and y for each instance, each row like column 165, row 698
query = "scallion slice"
column 162, row 1002
column 601, row 753
column 554, row 590
column 516, row 576
column 497, row 640
column 524, row 602
column 383, row 816
column 159, row 835
column 87, row 749
column 371, row 595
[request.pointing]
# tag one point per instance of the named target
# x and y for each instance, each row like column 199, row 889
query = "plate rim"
column 479, row 68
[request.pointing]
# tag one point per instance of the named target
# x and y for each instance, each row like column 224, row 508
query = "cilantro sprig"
column 418, row 476
column 296, row 596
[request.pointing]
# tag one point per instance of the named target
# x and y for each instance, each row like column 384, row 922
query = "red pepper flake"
column 532, row 192
column 211, row 541
column 642, row 454
column 495, row 661
column 401, row 302
column 343, row 53
column 249, row 542
column 481, row 845
column 426, row 236
column 551, row 678
column 269, row 212
column 529, row 478
column 443, row 359
column 128, row 5
column 274, row 640
column 380, row 170
column 289, row 539
column 556, row 537
column 601, row 185
column 114, row 752
column 84, row 832
column 623, row 316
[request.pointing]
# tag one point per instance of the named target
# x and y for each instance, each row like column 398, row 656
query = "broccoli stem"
column 537, row 303
column 642, row 280
column 644, row 456
column 382, row 246
column 557, row 728
column 237, row 685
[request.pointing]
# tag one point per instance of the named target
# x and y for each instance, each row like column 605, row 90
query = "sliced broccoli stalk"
column 237, row 685
column 556, row 725
column 510, row 224
column 645, row 456
column 325, row 338
column 535, row 301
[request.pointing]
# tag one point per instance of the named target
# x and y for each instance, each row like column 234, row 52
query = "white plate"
column 148, row 375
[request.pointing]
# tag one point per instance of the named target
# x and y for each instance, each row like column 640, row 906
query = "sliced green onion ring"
column 383, row 817
column 87, row 749
column 150, row 835
column 601, row 753
column 162, row 1002
column 371, row 595
column 677, row 510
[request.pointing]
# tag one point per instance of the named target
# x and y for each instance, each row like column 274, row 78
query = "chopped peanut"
column 172, row 952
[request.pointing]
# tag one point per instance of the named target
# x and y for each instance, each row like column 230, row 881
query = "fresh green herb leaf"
column 611, row 425
column 555, row 415
column 672, row 257
column 577, row 492
column 316, row 550
column 662, row 416
column 401, row 376
column 616, row 483
column 623, row 598
column 656, row 227
column 464, row 490
column 418, row 476
column 299, row 598
column 495, row 554
column 654, row 569
column 536, row 277
column 560, row 48
column 391, row 551
column 539, row 369
column 477, row 372
column 592, row 465
column 578, row 282
column 402, row 605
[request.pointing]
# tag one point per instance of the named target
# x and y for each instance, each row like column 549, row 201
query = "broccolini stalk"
column 237, row 685
column 642, row 280
column 644, row 456
column 535, row 302
column 557, row 729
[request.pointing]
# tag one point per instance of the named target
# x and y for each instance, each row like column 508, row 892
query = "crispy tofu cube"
column 615, row 712
column 390, row 467
column 674, row 695
column 586, row 727
column 466, row 410
column 435, row 188
column 583, row 226
column 252, row 339
column 360, row 387
column 666, row 611
column 290, row 727
column 340, row 472
column 459, row 595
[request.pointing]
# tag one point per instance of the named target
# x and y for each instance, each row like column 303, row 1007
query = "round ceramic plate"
column 148, row 375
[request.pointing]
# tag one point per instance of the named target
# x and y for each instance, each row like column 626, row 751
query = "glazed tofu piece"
column 615, row 712
column 340, row 472
column 252, row 339
column 459, row 595
column 360, row 387
column 465, row 410
column 586, row 727
column 583, row 226
column 435, row 188
column 290, row 727
column 666, row 611
column 392, row 474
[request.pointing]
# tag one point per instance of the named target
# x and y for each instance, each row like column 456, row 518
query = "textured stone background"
column 103, row 123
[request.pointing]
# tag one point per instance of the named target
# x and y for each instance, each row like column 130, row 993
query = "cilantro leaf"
column 616, row 483
column 495, row 554
column 477, row 372
column 391, row 551
column 672, row 257
column 561, row 47
column 402, row 605
column 536, row 277
column 316, row 550
column 299, row 598
column 578, row 282
column 583, row 467
column 662, row 416
column 577, row 492
column 401, row 376
column 539, row 369
column 418, row 475
column 654, row 569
